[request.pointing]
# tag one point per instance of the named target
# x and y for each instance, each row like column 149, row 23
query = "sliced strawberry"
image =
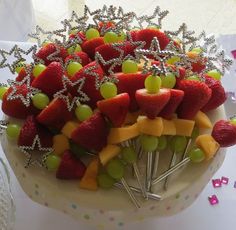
column 81, row 55
column 90, row 46
column 92, row 133
column 176, row 96
column 22, row 74
column 218, row 96
column 30, row 129
column 196, row 95
column 152, row 104
column 50, row 80
column 148, row 34
column 51, row 48
column 55, row 115
column 70, row 167
column 129, row 83
column 80, row 35
column 224, row 133
column 115, row 108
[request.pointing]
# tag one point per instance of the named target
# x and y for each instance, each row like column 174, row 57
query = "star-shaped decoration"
column 3, row 126
column 71, row 102
column 14, row 94
column 33, row 157
column 25, row 54
column 89, row 17
column 136, row 22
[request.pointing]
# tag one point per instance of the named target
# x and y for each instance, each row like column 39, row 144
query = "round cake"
column 115, row 119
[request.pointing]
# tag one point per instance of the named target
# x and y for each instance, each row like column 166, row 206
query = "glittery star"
column 3, row 126
column 35, row 158
column 25, row 54
column 75, row 22
column 67, row 83
column 90, row 15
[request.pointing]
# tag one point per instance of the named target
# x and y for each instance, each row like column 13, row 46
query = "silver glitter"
column 3, row 126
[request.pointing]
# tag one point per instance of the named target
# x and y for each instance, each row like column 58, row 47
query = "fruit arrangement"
column 104, row 95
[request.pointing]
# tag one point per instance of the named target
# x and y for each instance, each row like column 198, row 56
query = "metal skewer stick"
column 155, row 164
column 187, row 148
column 149, row 171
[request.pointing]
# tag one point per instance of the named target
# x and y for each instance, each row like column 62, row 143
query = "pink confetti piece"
column 233, row 52
column 235, row 184
column 216, row 183
column 224, row 180
column 213, row 200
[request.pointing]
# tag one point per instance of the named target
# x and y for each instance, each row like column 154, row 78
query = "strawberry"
column 176, row 96
column 92, row 133
column 50, row 80
column 55, row 115
column 30, row 129
column 90, row 46
column 152, row 104
column 199, row 64
column 70, row 167
column 130, row 83
column 224, row 133
column 218, row 96
column 196, row 95
column 80, row 35
column 115, row 108
column 22, row 74
column 51, row 48
column 81, row 55
column 89, row 85
column 148, row 34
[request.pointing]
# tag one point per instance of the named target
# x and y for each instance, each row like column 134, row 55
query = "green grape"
column 115, row 169
column 233, row 121
column 214, row 74
column 108, row 90
column 173, row 60
column 194, row 78
column 38, row 69
column 53, row 162
column 105, row 181
column 74, row 49
column 83, row 112
column 195, row 133
column 13, row 131
column 149, row 143
column 45, row 42
column 129, row 66
column 197, row 50
column 40, row 100
column 73, row 67
column 3, row 90
column 121, row 37
column 129, row 155
column 178, row 144
column 152, row 84
column 196, row 155
column 92, row 33
column 168, row 81
column 162, row 143
column 110, row 37
column 77, row 150
column 74, row 31
column 153, row 27
column 19, row 67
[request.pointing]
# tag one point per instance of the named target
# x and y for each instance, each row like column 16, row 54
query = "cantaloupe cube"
column 168, row 127
column 108, row 152
column 89, row 180
column 60, row 144
column 118, row 135
column 148, row 126
column 208, row 145
column 69, row 127
column 184, row 127
column 202, row 121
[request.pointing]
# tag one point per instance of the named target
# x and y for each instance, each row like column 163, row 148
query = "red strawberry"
column 70, row 167
column 15, row 108
column 115, row 108
column 198, row 65
column 196, row 95
column 30, row 129
column 50, row 80
column 218, row 96
column 89, row 85
column 81, row 55
column 152, row 104
column 90, row 46
column 176, row 96
column 49, row 49
column 22, row 74
column 92, row 133
column 80, row 35
column 55, row 115
column 148, row 34
column 130, row 83
column 224, row 133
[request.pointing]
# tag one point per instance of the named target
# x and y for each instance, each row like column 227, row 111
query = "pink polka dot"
column 111, row 219
column 101, row 211
column 46, row 204
column 168, row 208
column 152, row 208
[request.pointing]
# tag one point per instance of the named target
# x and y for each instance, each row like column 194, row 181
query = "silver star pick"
column 3, row 126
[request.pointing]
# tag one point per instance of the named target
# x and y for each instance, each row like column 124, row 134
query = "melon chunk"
column 118, row 135
column 108, row 152
column 202, row 120
column 184, row 127
column 208, row 145
column 153, row 127
column 168, row 127
column 69, row 127
column 60, row 144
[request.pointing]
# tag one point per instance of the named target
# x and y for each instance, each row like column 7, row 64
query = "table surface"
column 215, row 16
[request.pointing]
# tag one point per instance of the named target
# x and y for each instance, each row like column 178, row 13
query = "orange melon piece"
column 184, row 127
column 108, row 152
column 148, row 126
column 69, row 127
column 60, row 144
column 208, row 145
column 168, row 127
column 202, row 120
